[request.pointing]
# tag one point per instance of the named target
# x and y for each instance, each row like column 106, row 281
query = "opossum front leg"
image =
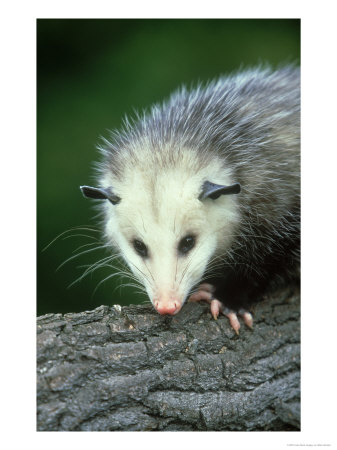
column 206, row 292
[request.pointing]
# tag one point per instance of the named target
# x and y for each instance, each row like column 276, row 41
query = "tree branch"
column 131, row 369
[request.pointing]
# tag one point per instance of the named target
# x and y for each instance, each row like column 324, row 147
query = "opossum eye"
column 186, row 244
column 140, row 248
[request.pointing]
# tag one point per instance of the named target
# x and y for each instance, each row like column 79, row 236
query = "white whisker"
column 83, row 228
column 79, row 254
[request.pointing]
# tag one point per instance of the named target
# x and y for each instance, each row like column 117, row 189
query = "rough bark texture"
column 130, row 369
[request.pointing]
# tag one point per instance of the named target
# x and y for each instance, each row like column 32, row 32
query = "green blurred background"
column 90, row 73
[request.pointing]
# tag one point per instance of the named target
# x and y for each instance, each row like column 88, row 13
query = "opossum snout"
column 167, row 306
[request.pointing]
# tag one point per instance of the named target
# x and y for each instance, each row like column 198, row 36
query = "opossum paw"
column 206, row 292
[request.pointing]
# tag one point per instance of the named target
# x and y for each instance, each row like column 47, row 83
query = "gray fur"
column 251, row 120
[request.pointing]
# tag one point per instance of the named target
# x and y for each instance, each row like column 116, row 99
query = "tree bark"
column 129, row 369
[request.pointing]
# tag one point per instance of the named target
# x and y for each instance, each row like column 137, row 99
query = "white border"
column 18, row 174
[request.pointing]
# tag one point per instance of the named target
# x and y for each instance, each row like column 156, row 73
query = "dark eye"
column 140, row 248
column 186, row 244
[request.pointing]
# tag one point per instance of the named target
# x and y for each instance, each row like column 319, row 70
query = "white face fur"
column 166, row 235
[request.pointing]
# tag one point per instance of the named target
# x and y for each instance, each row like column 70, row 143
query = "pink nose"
column 167, row 308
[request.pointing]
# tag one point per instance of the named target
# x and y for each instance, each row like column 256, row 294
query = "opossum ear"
column 213, row 191
column 100, row 193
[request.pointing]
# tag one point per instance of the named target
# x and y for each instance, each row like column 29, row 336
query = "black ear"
column 213, row 191
column 100, row 193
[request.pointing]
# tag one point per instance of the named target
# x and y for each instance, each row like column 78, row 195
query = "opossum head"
column 168, row 225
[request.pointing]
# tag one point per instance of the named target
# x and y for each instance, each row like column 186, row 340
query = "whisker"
column 123, row 285
column 80, row 235
column 145, row 276
column 105, row 279
column 91, row 268
column 85, row 245
column 83, row 228
column 146, row 301
column 79, row 254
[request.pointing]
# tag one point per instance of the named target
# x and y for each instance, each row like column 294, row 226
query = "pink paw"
column 205, row 292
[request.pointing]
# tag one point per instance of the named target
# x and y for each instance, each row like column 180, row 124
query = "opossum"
column 209, row 179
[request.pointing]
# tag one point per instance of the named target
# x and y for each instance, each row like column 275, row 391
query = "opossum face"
column 162, row 236
column 166, row 234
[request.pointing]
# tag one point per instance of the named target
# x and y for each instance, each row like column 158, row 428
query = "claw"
column 247, row 318
column 216, row 308
column 233, row 320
